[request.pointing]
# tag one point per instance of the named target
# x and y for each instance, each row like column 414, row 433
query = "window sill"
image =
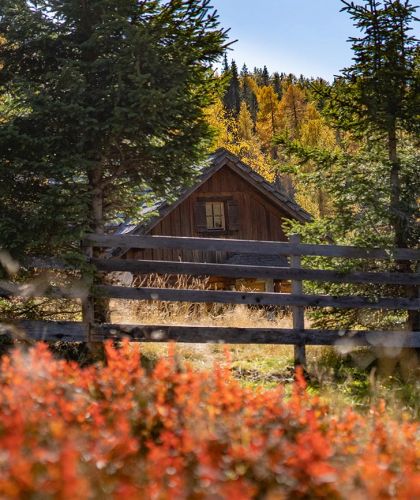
column 216, row 232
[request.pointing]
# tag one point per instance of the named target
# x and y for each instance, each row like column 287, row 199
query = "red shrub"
column 116, row 432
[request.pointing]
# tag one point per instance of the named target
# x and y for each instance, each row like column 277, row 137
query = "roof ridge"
column 284, row 197
column 216, row 162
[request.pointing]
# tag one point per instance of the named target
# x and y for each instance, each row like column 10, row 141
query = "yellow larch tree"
column 314, row 133
column 292, row 110
column 268, row 117
column 237, row 136
column 245, row 123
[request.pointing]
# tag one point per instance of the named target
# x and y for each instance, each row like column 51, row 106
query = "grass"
column 342, row 380
column 358, row 378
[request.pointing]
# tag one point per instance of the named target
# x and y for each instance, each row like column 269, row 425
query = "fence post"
column 298, row 312
column 88, row 305
column 414, row 316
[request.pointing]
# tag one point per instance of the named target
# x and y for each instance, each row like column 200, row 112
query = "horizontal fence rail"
column 217, row 296
column 231, row 271
column 76, row 331
column 102, row 263
column 247, row 271
column 249, row 246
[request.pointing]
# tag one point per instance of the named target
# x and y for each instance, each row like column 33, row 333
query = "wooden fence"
column 299, row 336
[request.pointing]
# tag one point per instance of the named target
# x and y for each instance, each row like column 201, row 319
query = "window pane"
column 215, row 215
column 217, row 208
column 218, row 222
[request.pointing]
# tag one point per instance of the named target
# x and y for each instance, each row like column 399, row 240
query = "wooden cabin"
column 228, row 200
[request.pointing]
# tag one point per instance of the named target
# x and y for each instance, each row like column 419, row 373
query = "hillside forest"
column 346, row 150
column 77, row 155
column 290, row 129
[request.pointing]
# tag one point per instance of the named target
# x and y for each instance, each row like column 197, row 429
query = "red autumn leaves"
column 115, row 431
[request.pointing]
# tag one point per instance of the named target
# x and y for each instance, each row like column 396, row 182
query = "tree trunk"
column 396, row 214
column 398, row 221
column 101, row 305
column 321, row 203
column 96, row 203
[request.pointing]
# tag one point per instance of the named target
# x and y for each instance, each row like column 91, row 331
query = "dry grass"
column 187, row 313
column 269, row 358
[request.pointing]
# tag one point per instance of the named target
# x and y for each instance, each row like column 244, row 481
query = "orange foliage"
column 115, row 431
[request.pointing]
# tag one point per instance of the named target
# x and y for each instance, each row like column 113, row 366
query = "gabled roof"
column 218, row 160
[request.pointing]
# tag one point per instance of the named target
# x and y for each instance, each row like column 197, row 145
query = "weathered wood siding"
column 259, row 219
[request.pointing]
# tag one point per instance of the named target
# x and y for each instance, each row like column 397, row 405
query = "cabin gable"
column 248, row 214
column 228, row 200
column 257, row 217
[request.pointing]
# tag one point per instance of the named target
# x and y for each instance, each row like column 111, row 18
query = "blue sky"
column 294, row 36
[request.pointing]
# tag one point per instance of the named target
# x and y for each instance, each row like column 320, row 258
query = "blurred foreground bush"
column 116, row 431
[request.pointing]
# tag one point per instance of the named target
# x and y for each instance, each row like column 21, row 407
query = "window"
column 215, row 215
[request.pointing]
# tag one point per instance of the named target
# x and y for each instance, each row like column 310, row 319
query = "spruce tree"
column 232, row 98
column 265, row 77
column 377, row 97
column 248, row 96
column 257, row 75
column 107, row 99
column 277, row 85
column 225, row 64
column 372, row 179
column 303, row 82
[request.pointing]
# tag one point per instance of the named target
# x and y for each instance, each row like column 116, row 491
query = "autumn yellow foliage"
column 295, row 116
column 237, row 136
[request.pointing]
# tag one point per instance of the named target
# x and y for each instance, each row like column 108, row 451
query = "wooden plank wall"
column 260, row 219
